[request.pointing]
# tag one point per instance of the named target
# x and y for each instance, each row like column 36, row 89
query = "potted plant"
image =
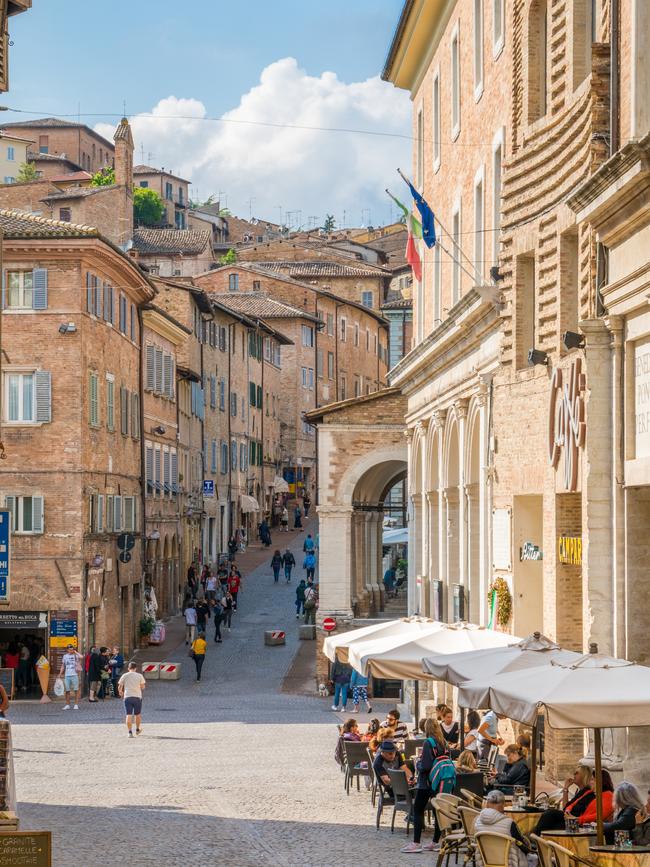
column 145, row 628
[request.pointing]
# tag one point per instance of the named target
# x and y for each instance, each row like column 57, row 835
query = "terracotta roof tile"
column 187, row 241
column 20, row 224
column 257, row 304
column 323, row 269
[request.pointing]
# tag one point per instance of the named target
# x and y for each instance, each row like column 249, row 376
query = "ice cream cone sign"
column 43, row 670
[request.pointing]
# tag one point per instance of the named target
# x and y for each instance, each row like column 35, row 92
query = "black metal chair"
column 470, row 782
column 402, row 798
column 384, row 797
column 373, row 778
column 356, row 763
column 411, row 746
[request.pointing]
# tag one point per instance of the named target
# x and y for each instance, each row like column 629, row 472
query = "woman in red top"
column 11, row 657
column 234, row 582
column 589, row 815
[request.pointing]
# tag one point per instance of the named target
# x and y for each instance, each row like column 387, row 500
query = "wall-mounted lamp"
column 67, row 328
column 573, row 340
column 495, row 276
column 97, row 561
column 160, row 430
column 537, row 356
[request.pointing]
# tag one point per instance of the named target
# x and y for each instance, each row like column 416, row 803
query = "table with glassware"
column 620, row 856
column 577, row 840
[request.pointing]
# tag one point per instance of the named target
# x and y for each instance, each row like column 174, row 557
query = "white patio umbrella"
column 533, row 651
column 407, row 627
column 596, row 691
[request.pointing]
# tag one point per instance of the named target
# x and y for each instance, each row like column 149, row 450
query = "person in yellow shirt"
column 199, row 647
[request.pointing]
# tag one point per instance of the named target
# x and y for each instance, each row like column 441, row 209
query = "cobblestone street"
column 233, row 770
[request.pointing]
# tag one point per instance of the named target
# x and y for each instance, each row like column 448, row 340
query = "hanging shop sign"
column 23, row 620
column 566, row 421
column 528, row 551
column 501, row 547
column 569, row 550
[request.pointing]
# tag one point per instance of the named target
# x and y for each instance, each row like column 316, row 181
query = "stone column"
column 425, row 531
column 433, row 504
column 335, row 565
column 415, row 551
column 440, row 555
column 461, row 407
column 479, row 607
column 373, row 565
column 473, row 585
column 452, row 550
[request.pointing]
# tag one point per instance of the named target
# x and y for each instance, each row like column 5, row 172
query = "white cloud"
column 301, row 169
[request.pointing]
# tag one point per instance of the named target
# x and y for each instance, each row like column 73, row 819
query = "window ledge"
column 478, row 92
column 25, row 423
column 497, row 48
column 455, row 132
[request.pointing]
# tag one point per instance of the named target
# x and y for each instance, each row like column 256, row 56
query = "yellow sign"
column 63, row 640
column 569, row 550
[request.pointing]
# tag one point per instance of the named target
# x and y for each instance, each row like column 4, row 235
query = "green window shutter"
column 135, row 415
column 251, row 393
column 124, row 411
column 259, row 397
column 110, row 404
column 39, row 286
column 43, row 382
column 93, row 408
column 90, row 297
column 150, row 367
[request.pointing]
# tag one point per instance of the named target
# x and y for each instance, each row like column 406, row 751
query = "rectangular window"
column 28, row 397
column 20, row 285
column 135, row 415
column 157, row 483
column 367, row 340
column 479, row 227
column 455, row 84
column 319, row 363
column 133, row 321
column 213, row 392
column 224, row 458
column 168, row 375
column 11, row 153
column 307, row 335
column 108, row 303
column 498, row 9
column 148, row 459
column 43, row 144
column 122, row 314
column 128, row 513
column 259, row 397
column 173, row 460
column 144, row 184
column 330, row 324
column 233, row 405
column 117, row 514
column 357, row 386
column 233, row 282
column 99, row 298
column 242, row 457
column 497, row 157
column 330, row 365
column 222, row 395
column 419, row 168
column 367, row 299
column 526, row 307
column 93, row 399
column 124, row 411
column 169, row 193
column 27, row 514
column 233, row 455
column 223, row 339
column 110, row 402
column 65, row 215
column 343, row 330
column 455, row 247
column 108, row 514
column 478, row 49
column 356, row 335
column 343, row 388
column 251, row 393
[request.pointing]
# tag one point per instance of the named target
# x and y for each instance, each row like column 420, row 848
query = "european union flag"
column 428, row 220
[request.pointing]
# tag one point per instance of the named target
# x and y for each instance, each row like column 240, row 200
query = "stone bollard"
column 151, row 670
column 170, row 670
column 274, row 637
column 307, row 632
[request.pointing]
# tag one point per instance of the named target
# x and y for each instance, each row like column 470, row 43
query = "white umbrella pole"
column 533, row 762
column 462, row 729
column 417, row 705
column 599, row 787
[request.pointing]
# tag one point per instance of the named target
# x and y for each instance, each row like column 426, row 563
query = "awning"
column 248, row 504
column 281, row 485
column 395, row 536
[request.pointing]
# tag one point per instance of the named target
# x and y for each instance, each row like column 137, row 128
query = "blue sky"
column 217, row 56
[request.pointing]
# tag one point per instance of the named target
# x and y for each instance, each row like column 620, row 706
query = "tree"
column 148, row 207
column 229, row 259
column 26, row 173
column 104, row 177
column 330, row 224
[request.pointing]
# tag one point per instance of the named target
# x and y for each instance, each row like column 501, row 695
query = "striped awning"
column 248, row 504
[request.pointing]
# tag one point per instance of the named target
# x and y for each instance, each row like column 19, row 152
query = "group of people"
column 102, row 667
column 21, row 655
column 264, row 529
column 287, row 560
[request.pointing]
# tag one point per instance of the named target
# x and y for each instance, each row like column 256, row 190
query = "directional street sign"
column 5, row 528
column 124, row 556
column 125, row 542
column 208, row 487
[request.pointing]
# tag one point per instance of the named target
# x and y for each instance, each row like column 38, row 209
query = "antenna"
column 123, row 108
column 250, row 207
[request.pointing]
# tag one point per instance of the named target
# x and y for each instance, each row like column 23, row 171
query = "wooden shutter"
column 251, row 393
column 107, row 302
column 39, row 287
column 159, row 371
column 43, row 396
column 92, row 399
column 148, row 452
column 117, row 514
column 109, row 513
column 174, row 470
column 135, row 415
column 100, row 513
column 10, row 504
column 124, row 410
column 166, row 472
column 151, row 367
column 38, row 515
column 98, row 298
column 259, row 397
column 213, row 392
column 157, row 468
column 168, row 368
column 129, row 513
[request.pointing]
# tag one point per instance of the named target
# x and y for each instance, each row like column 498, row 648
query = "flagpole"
column 475, row 277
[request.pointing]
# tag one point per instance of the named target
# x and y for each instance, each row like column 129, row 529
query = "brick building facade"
column 76, row 141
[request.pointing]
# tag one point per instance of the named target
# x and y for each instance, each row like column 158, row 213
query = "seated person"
column 524, row 742
column 371, row 731
column 466, row 763
column 628, row 804
column 471, row 731
column 516, row 772
column 350, row 730
column 553, row 818
column 589, row 814
column 384, row 733
column 641, row 834
column 400, row 730
column 493, row 820
column 450, row 728
column 388, row 759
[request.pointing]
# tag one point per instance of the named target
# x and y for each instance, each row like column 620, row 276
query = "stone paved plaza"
column 233, row 770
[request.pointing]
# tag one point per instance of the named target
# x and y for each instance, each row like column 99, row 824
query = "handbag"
column 191, row 653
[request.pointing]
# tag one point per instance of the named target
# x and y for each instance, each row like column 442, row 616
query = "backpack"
column 289, row 559
column 442, row 776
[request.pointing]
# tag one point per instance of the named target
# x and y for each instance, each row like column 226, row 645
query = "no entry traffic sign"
column 329, row 624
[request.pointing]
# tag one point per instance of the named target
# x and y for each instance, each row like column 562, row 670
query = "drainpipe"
column 143, row 485
column 231, row 331
column 614, row 82
column 262, row 426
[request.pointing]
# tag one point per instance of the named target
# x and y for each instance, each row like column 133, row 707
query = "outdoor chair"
column 492, row 756
column 473, row 783
column 494, row 848
column 452, row 838
column 545, row 854
column 384, row 798
column 468, row 818
column 561, row 857
column 355, row 755
column 402, row 798
column 474, row 799
column 373, row 778
column 446, row 796
column 410, row 746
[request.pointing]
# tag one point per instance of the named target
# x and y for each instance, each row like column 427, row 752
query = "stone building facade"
column 57, row 137
column 79, row 411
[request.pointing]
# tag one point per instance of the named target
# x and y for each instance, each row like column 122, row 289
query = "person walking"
column 116, row 664
column 211, row 587
column 309, row 564
column 191, row 579
column 130, row 687
column 234, row 585
column 265, row 533
column 309, row 544
column 288, row 561
column 300, row 598
column 190, row 623
column 341, row 674
column 232, row 546
column 202, row 609
column 199, row 646
column 218, row 618
column 276, row 565
column 297, row 518
column 311, row 603
column 70, row 671
column 228, row 604
column 359, row 686
column 306, row 502
column 284, row 519
column 96, row 665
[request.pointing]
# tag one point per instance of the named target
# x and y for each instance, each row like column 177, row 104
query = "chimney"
column 124, row 179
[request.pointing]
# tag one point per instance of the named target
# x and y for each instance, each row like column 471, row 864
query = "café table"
column 524, row 819
column 578, row 842
column 615, row 856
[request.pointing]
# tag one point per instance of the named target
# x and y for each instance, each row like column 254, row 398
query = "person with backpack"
column 218, row 612
column 309, row 564
column 276, row 565
column 227, row 603
column 288, row 561
column 300, row 598
column 435, row 774
column 308, row 545
column 310, row 603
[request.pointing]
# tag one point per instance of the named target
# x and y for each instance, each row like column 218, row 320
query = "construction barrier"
column 151, row 670
column 274, row 637
column 307, row 632
column 170, row 670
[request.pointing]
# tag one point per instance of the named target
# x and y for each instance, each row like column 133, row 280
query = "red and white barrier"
column 170, row 670
column 151, row 670
column 274, row 637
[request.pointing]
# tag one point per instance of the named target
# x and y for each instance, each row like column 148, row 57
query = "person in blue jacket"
column 359, row 685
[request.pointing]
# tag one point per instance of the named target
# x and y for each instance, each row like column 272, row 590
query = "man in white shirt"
column 130, row 687
column 211, row 588
column 69, row 671
column 190, row 623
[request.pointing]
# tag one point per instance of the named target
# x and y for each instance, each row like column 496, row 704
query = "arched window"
column 538, row 72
